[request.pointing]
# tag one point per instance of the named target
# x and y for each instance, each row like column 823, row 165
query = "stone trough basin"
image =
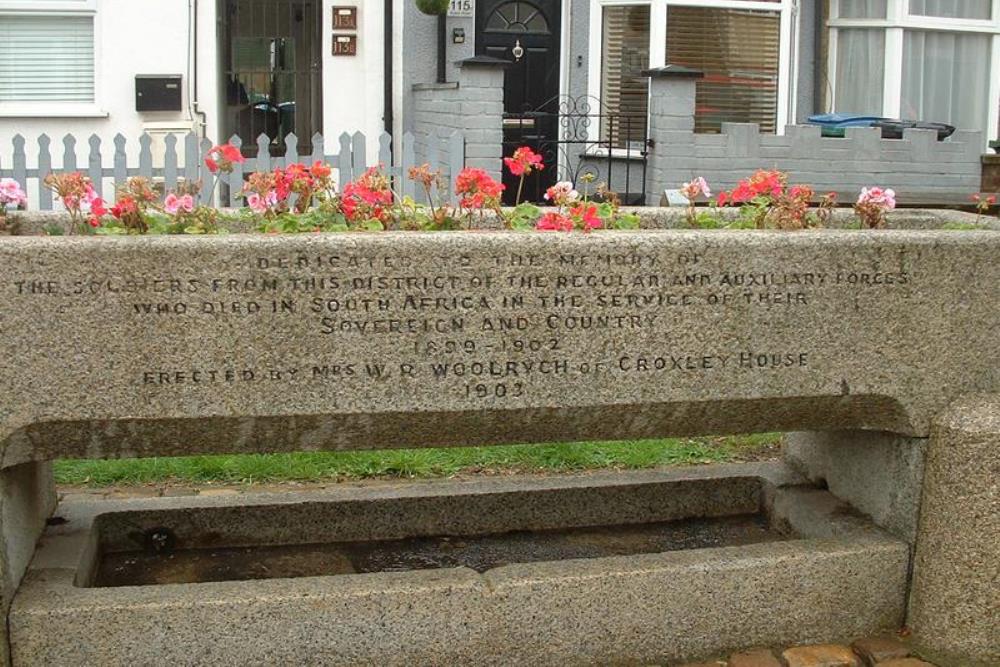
column 681, row 564
column 126, row 347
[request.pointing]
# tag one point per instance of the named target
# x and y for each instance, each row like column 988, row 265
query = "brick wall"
column 920, row 168
column 473, row 107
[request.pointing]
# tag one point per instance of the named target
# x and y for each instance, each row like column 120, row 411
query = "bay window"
column 742, row 46
column 739, row 52
column 624, row 90
column 929, row 60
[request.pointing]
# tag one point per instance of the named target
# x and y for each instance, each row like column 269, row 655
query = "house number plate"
column 462, row 8
column 345, row 45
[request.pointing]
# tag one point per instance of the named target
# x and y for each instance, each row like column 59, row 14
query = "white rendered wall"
column 132, row 37
column 353, row 92
column 152, row 37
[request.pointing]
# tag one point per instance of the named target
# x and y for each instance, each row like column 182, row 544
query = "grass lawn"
column 327, row 466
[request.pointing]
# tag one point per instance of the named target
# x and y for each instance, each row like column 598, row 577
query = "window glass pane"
column 860, row 71
column 738, row 51
column 47, row 59
column 863, row 9
column 517, row 17
column 946, row 78
column 953, row 9
column 624, row 91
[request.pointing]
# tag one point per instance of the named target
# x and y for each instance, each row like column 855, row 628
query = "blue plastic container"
column 834, row 124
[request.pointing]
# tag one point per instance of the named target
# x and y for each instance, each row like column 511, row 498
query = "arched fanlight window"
column 521, row 17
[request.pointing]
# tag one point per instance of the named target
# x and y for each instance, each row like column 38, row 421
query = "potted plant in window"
column 433, row 7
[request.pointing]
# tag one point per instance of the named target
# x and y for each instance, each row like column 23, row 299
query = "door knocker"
column 517, row 51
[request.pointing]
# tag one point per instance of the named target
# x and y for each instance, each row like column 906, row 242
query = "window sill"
column 31, row 110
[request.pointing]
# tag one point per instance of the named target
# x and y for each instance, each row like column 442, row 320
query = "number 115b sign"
column 462, row 8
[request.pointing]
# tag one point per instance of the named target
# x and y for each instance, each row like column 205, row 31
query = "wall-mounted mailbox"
column 158, row 92
column 345, row 45
column 345, row 18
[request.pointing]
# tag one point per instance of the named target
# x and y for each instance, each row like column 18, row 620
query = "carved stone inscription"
column 478, row 326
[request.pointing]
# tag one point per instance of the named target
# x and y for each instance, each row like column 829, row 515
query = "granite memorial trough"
column 127, row 347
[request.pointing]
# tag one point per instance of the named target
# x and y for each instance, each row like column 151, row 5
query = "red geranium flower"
column 477, row 189
column 320, row 170
column 586, row 216
column 554, row 222
column 227, row 155
column 524, row 161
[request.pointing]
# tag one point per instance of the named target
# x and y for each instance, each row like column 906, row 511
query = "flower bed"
column 302, row 198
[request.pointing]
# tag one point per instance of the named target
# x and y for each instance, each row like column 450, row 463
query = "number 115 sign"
column 462, row 8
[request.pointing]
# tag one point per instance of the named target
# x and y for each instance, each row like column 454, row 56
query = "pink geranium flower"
column 695, row 188
column 173, row 204
column 876, row 196
column 562, row 194
column 260, row 204
column 11, row 193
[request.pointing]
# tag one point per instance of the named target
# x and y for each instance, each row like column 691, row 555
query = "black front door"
column 527, row 33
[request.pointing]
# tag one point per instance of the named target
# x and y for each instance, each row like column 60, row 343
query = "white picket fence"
column 187, row 161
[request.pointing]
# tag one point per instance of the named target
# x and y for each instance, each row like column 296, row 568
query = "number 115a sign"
column 462, row 8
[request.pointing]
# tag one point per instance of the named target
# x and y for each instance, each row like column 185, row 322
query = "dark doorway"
column 528, row 34
column 272, row 55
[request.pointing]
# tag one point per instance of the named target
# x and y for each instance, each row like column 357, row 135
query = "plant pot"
column 433, row 7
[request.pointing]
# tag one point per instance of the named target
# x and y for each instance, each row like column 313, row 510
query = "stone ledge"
column 448, row 85
column 673, row 71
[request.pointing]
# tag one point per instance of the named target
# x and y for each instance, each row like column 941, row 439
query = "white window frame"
column 658, row 44
column 898, row 20
column 58, row 109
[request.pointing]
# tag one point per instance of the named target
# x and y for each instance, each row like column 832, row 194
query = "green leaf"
column 706, row 221
column 627, row 221
column 524, row 216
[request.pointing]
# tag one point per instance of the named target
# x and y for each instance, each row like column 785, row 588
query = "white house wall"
column 353, row 89
column 151, row 37
column 132, row 37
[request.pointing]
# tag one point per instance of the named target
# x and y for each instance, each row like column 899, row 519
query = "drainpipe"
column 387, row 81
column 193, row 60
column 442, row 46
column 821, row 50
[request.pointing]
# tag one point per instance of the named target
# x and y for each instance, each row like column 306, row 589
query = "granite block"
column 879, row 474
column 170, row 346
column 27, row 498
column 955, row 605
